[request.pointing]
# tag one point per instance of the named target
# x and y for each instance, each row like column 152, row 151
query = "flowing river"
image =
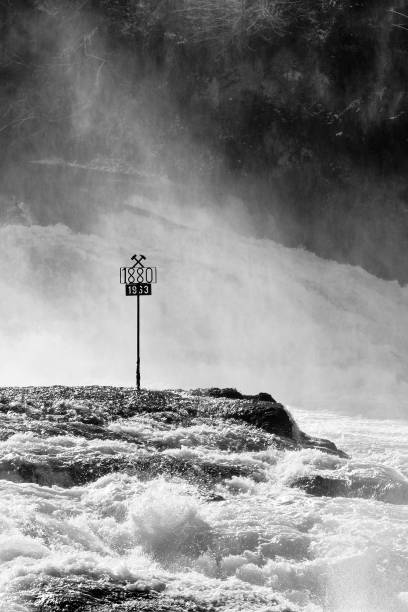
column 161, row 510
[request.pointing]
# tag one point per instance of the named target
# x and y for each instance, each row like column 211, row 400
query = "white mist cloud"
column 227, row 310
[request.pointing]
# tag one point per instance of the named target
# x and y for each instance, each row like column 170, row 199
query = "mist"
column 102, row 163
column 228, row 310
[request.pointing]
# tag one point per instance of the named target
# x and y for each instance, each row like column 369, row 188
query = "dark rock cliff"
column 298, row 110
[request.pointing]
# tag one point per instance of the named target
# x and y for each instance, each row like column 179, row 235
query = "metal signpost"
column 138, row 280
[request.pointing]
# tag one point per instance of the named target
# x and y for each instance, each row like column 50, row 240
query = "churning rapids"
column 200, row 501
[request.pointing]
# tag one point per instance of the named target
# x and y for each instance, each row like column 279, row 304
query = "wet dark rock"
column 86, row 412
column 16, row 423
column 215, row 498
column 269, row 416
column 231, row 393
column 85, row 594
column 322, row 485
column 382, row 488
column 264, row 397
column 78, row 593
column 70, row 471
column 158, row 604
column 326, row 446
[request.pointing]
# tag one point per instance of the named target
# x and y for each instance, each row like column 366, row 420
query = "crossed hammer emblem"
column 138, row 260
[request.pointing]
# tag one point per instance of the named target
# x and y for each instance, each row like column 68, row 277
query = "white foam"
column 261, row 542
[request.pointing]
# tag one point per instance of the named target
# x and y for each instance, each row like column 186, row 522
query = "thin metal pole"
column 138, row 345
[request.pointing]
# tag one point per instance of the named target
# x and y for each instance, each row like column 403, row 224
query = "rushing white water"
column 262, row 546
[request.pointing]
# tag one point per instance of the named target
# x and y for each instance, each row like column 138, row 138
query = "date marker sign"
column 138, row 280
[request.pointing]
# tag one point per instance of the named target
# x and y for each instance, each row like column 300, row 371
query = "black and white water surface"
column 109, row 502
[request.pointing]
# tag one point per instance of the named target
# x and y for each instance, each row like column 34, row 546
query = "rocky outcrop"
column 231, row 393
column 70, row 469
column 268, row 414
column 81, row 594
column 383, row 487
column 262, row 411
column 326, row 446
column 86, row 411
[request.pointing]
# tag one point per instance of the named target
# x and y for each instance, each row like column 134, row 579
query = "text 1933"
column 139, row 289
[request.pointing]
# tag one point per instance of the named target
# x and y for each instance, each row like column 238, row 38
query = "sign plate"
column 138, row 275
column 138, row 289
